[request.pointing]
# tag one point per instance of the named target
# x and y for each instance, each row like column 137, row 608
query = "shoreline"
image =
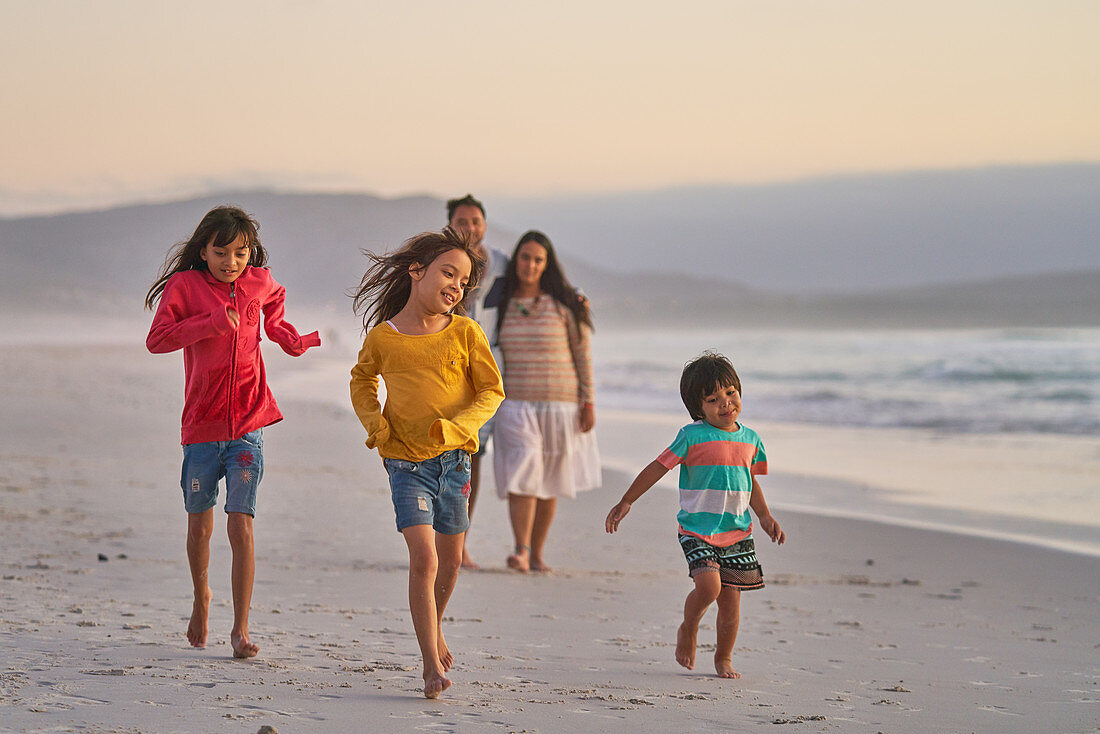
column 884, row 482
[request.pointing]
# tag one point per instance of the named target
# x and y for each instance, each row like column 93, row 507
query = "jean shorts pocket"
column 393, row 465
column 255, row 438
column 464, row 463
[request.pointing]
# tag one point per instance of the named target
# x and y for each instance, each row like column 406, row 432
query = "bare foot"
column 243, row 647
column 685, row 646
column 446, row 659
column 435, row 684
column 521, row 559
column 725, row 668
column 468, row 562
column 197, row 628
column 538, row 566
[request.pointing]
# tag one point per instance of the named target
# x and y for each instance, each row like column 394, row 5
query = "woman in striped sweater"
column 543, row 439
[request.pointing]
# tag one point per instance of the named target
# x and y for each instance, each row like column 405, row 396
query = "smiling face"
column 227, row 263
column 530, row 264
column 722, row 407
column 440, row 286
column 469, row 219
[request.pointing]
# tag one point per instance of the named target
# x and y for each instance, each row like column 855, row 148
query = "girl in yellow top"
column 442, row 384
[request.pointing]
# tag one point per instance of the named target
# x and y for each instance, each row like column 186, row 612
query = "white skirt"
column 539, row 451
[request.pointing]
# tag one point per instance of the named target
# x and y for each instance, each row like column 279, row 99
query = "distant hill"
column 103, row 263
column 840, row 234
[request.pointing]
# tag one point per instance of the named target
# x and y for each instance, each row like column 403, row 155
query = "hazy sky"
column 118, row 99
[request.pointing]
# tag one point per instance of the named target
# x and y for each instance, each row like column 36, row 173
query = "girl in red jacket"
column 211, row 292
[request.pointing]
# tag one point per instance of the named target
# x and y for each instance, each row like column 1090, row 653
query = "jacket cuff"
column 311, row 340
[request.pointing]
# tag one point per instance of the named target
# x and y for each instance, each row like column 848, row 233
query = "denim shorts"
column 241, row 462
column 432, row 492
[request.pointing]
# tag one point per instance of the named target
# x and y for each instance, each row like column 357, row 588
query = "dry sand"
column 864, row 627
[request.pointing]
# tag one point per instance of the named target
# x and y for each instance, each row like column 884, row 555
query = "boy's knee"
column 708, row 584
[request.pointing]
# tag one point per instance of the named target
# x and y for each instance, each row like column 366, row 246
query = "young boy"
column 719, row 460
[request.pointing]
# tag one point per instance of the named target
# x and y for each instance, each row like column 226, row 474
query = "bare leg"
column 423, row 572
column 707, row 587
column 521, row 510
column 239, row 527
column 544, row 517
column 729, row 619
column 448, row 549
column 475, row 479
column 200, row 526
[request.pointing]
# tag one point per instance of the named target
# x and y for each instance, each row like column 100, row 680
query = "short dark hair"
column 703, row 375
column 467, row 200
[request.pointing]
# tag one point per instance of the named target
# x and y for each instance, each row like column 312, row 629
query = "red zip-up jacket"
column 226, row 393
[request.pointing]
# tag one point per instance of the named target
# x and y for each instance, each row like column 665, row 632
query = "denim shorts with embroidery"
column 432, row 492
column 240, row 461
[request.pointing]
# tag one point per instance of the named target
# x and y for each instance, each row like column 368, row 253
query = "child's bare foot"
column 446, row 659
column 725, row 668
column 243, row 647
column 435, row 684
column 468, row 562
column 520, row 560
column 539, row 566
column 198, row 627
column 685, row 646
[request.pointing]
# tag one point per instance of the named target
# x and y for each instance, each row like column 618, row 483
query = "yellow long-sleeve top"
column 440, row 389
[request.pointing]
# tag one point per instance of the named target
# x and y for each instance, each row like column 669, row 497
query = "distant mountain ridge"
column 840, row 234
column 103, row 263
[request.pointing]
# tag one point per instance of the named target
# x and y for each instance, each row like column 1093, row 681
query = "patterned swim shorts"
column 736, row 564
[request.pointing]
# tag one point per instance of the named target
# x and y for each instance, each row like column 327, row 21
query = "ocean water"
column 951, row 381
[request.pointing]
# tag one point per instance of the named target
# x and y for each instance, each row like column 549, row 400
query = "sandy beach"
column 864, row 626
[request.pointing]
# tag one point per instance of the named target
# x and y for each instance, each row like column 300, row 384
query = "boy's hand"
column 618, row 512
column 771, row 527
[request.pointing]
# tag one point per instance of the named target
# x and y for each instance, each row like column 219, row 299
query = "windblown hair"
column 702, row 376
column 552, row 282
column 467, row 200
column 220, row 227
column 387, row 284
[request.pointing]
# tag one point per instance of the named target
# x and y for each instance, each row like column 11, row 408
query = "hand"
column 234, row 317
column 771, row 527
column 586, row 417
column 618, row 512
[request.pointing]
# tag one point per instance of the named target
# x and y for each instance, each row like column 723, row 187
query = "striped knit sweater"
column 546, row 357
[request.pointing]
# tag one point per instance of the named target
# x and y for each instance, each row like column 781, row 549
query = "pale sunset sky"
column 121, row 100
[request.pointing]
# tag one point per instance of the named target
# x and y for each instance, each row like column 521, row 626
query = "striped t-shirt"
column 716, row 470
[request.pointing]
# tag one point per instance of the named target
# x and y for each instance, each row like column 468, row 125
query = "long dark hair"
column 385, row 287
column 553, row 282
column 220, row 227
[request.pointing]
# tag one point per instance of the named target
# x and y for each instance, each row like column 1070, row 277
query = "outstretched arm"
column 282, row 332
column 646, row 478
column 764, row 515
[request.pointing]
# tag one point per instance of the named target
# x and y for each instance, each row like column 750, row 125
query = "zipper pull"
column 232, row 290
